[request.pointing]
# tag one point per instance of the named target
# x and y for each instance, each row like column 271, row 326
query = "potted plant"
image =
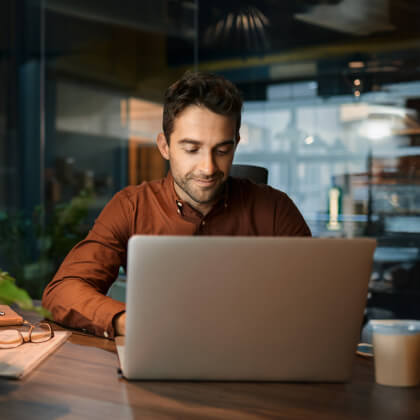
column 11, row 294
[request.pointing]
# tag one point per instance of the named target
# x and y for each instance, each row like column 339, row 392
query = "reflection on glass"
column 360, row 148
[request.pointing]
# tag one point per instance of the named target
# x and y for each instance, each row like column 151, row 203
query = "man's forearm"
column 76, row 304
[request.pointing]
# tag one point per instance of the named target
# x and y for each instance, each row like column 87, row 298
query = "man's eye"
column 224, row 151
column 192, row 150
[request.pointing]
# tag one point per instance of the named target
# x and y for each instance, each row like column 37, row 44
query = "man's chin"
column 207, row 197
column 204, row 199
column 200, row 194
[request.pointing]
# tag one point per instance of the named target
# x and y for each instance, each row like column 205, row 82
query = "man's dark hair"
column 204, row 89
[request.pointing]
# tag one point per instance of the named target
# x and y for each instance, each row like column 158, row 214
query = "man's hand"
column 119, row 324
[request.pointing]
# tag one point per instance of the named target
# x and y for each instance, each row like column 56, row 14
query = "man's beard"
column 200, row 194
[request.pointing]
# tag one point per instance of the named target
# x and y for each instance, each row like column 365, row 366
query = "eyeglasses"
column 34, row 333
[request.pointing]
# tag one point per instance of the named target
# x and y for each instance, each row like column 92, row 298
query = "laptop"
column 244, row 308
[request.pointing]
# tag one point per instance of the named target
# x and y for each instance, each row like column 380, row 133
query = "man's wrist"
column 119, row 323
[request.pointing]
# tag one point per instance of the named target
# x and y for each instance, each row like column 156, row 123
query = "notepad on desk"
column 19, row 361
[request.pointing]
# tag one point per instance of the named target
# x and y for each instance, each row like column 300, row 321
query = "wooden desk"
column 80, row 381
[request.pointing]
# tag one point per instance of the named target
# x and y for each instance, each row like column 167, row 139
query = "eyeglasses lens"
column 41, row 333
column 10, row 339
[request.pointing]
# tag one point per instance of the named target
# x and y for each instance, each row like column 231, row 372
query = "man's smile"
column 206, row 182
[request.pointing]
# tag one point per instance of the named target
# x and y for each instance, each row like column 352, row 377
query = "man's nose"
column 207, row 164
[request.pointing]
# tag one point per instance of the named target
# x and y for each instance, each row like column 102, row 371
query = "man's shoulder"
column 137, row 193
column 145, row 187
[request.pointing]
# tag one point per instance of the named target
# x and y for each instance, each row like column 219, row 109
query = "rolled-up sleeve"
column 76, row 296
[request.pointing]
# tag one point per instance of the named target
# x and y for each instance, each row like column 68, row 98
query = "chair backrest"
column 257, row 174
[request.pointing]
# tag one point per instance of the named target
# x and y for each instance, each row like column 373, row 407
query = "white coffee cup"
column 396, row 347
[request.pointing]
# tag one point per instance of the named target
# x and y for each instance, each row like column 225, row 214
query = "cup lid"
column 396, row 326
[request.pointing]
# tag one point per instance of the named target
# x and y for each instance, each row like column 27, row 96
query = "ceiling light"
column 375, row 129
column 309, row 140
column 244, row 28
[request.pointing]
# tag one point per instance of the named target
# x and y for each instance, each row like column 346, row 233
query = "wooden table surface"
column 80, row 381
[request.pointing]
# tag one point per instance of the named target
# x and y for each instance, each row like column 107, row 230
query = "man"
column 201, row 121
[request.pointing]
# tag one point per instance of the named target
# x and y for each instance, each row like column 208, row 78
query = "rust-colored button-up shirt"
column 77, row 294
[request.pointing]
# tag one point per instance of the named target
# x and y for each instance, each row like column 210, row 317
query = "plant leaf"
column 11, row 294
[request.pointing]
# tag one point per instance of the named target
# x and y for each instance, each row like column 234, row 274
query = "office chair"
column 257, row 174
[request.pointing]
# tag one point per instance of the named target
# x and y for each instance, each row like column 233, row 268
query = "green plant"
column 64, row 228
column 11, row 294
column 55, row 232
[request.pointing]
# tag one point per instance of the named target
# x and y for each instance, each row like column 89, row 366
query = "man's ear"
column 163, row 146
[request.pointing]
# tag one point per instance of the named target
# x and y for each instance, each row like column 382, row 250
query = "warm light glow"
column 144, row 118
column 356, row 82
column 249, row 22
column 356, row 64
column 357, row 93
column 124, row 112
column 245, row 22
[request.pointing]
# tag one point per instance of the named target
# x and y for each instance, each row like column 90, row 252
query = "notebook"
column 20, row 361
column 244, row 308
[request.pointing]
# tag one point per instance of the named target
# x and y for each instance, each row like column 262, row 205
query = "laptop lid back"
column 242, row 308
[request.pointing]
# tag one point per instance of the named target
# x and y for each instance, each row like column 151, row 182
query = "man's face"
column 200, row 153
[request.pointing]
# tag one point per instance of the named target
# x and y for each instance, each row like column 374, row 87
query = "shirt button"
column 106, row 335
column 203, row 223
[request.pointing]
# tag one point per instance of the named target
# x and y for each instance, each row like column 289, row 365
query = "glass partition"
column 332, row 105
column 20, row 135
column 81, row 91
column 334, row 117
column 106, row 72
